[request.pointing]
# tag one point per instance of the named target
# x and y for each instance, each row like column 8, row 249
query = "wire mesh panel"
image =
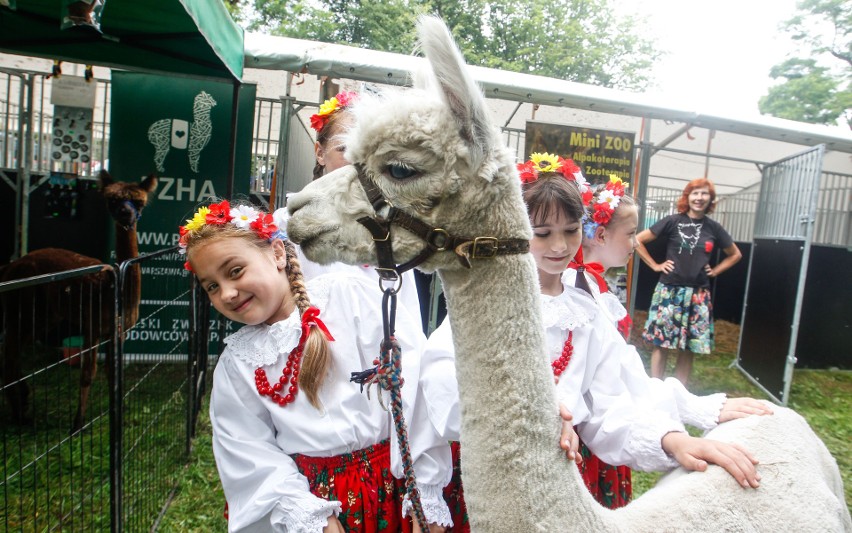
column 267, row 121
column 660, row 202
column 735, row 212
column 155, row 390
column 777, row 270
column 54, row 435
column 833, row 223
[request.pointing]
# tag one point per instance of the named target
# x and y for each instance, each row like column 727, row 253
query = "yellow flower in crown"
column 329, row 106
column 197, row 220
column 545, row 162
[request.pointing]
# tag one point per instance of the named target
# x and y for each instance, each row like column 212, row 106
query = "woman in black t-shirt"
column 681, row 311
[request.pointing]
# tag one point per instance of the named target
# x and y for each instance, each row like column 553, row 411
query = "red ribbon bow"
column 311, row 318
column 595, row 269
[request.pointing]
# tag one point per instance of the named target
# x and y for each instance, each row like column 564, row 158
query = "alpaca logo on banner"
column 169, row 133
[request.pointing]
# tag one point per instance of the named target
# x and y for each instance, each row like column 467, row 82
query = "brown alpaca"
column 89, row 302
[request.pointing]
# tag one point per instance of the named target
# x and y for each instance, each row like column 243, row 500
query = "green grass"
column 52, row 480
column 823, row 397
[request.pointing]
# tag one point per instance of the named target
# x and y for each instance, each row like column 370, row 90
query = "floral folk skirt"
column 454, row 495
column 612, row 486
column 363, row 483
column 681, row 318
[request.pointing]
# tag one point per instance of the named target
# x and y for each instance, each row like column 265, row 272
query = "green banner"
column 599, row 153
column 178, row 129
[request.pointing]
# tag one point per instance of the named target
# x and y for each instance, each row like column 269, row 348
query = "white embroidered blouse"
column 605, row 415
column 253, row 437
column 699, row 411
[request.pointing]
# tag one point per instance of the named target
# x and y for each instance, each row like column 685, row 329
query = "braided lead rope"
column 387, row 374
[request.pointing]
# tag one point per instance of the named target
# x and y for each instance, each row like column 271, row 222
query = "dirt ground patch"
column 727, row 333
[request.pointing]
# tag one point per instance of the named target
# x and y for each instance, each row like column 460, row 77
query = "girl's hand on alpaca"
column 569, row 441
column 433, row 528
column 693, row 454
column 334, row 526
column 666, row 267
column 743, row 407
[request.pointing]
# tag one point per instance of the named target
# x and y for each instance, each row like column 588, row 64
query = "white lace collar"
column 261, row 345
column 569, row 310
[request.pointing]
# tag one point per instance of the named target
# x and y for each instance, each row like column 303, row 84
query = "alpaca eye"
column 400, row 172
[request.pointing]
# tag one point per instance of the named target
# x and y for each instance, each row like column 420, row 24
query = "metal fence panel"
column 54, row 328
column 156, row 398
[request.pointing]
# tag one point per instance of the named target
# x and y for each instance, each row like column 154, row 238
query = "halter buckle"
column 438, row 239
column 484, row 248
column 383, row 239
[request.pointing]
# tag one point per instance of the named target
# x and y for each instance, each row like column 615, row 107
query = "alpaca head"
column 204, row 100
column 433, row 153
column 125, row 201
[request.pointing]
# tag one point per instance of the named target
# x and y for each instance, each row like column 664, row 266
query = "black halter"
column 436, row 239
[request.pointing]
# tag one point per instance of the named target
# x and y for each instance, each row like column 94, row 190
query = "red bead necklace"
column 290, row 373
column 561, row 363
column 310, row 318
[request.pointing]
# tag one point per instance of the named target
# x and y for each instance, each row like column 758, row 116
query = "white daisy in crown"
column 243, row 216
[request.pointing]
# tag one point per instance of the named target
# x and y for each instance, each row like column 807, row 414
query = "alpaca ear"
column 457, row 87
column 106, row 179
column 149, row 183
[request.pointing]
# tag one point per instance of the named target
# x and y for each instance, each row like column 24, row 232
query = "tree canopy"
column 584, row 41
column 816, row 88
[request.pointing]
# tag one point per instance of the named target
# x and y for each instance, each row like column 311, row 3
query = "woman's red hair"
column 697, row 183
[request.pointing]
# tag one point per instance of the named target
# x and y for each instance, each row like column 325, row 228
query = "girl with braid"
column 616, row 425
column 298, row 446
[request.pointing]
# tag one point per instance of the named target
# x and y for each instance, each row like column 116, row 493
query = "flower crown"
column 340, row 101
column 265, row 225
column 603, row 206
column 545, row 162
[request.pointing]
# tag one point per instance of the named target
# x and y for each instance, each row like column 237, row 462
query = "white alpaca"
column 434, row 153
column 172, row 133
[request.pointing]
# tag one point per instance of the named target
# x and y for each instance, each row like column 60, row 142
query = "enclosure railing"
column 117, row 469
column 736, row 212
column 56, row 468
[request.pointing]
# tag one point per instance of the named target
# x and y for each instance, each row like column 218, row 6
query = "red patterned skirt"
column 612, row 486
column 363, row 483
column 454, row 495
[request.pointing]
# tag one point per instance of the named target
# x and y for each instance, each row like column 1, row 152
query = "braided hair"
column 316, row 358
column 316, row 354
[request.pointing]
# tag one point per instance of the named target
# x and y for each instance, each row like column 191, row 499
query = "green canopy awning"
column 194, row 38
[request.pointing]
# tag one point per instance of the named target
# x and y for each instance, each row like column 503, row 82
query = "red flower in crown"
column 528, row 172
column 264, row 226
column 603, row 213
column 345, row 98
column 588, row 194
column 617, row 187
column 568, row 168
column 708, row 246
column 318, row 122
column 219, row 213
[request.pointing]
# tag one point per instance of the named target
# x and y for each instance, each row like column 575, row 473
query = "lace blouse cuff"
column 434, row 507
column 645, row 444
column 703, row 411
column 306, row 517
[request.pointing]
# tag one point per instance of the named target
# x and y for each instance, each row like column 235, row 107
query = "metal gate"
column 777, row 270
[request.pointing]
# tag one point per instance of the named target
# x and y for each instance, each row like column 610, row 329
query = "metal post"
column 232, row 156
column 116, row 409
column 641, row 201
column 280, row 199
